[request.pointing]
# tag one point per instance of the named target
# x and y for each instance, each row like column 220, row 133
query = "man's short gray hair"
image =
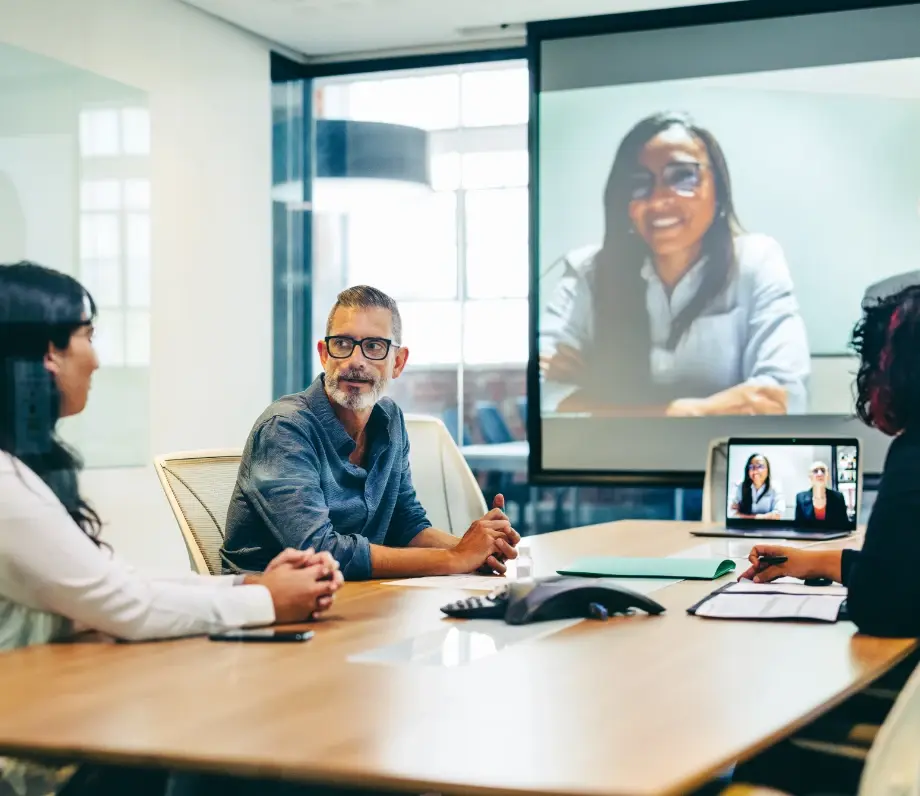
column 364, row 297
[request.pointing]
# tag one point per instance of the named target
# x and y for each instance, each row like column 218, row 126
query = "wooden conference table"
column 635, row 705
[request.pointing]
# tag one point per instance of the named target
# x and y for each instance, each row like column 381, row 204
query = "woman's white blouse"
column 752, row 333
column 52, row 575
column 764, row 501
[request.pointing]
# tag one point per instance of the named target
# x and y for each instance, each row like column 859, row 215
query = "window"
column 431, row 102
column 115, row 245
column 431, row 330
column 492, row 97
column 99, row 133
column 456, row 257
column 109, row 132
column 497, row 244
column 495, row 331
column 408, row 251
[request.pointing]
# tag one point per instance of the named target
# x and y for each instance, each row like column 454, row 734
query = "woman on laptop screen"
column 679, row 312
column 755, row 497
column 821, row 504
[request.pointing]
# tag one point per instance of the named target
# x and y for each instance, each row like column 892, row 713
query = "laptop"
column 806, row 488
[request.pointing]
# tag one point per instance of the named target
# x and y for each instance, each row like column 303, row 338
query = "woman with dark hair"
column 679, row 310
column 55, row 572
column 820, row 503
column 756, row 498
column 883, row 596
column 883, row 591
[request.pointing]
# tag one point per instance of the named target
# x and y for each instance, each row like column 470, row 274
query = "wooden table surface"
column 635, row 705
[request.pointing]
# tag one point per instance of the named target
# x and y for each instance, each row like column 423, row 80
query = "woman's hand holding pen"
column 769, row 562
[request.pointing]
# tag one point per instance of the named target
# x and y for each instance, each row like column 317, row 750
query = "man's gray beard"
column 355, row 402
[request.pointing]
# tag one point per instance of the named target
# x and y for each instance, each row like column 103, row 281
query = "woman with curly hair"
column 883, row 589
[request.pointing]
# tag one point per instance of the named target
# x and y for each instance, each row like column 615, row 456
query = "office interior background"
column 155, row 149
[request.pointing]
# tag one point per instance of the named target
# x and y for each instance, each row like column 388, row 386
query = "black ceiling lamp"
column 361, row 164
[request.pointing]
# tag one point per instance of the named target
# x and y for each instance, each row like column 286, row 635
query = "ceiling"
column 357, row 28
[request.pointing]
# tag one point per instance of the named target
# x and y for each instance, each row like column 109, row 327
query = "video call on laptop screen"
column 803, row 483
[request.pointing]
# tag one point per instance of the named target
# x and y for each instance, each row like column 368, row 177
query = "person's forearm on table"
column 407, row 562
column 734, row 400
column 830, row 565
column 435, row 538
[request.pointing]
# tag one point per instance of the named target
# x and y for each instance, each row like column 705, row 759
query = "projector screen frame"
column 537, row 34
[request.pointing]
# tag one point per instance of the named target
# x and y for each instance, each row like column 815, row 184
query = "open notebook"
column 777, row 601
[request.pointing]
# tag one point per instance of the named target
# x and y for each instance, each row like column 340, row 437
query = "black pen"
column 771, row 561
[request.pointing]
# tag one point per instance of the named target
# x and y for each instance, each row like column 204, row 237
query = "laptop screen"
column 808, row 483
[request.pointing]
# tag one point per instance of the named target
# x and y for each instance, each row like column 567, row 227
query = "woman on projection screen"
column 679, row 312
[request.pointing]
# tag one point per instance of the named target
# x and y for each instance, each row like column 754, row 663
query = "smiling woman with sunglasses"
column 679, row 311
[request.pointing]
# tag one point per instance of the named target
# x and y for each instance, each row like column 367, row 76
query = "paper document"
column 726, row 605
column 785, row 586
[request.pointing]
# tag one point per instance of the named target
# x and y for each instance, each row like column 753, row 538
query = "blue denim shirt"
column 296, row 487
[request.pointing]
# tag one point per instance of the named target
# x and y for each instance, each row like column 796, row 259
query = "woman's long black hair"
column 40, row 307
column 622, row 338
column 747, row 486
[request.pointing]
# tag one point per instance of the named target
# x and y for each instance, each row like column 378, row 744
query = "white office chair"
column 198, row 486
column 892, row 766
column 714, row 497
column 443, row 481
column 893, row 763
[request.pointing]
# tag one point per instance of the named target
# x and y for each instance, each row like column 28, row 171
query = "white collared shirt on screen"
column 764, row 501
column 751, row 333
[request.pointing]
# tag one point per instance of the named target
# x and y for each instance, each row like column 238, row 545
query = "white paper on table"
column 725, row 605
column 785, row 586
column 490, row 582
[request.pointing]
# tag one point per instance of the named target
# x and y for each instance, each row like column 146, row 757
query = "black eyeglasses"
column 373, row 347
column 681, row 177
column 816, row 470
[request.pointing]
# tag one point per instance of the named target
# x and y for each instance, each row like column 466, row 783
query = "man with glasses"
column 328, row 468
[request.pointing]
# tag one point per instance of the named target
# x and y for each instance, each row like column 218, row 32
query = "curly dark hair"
column 887, row 341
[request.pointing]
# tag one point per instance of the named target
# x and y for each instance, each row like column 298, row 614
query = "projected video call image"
column 805, row 484
column 703, row 242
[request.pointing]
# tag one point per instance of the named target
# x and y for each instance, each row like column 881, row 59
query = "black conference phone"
column 558, row 597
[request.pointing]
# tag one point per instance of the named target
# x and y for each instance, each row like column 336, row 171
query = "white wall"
column 210, row 102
